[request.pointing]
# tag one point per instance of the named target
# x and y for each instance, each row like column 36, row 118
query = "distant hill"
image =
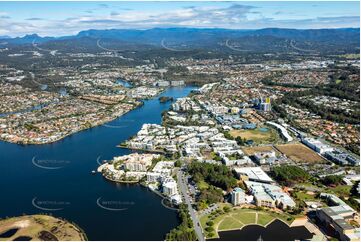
column 269, row 39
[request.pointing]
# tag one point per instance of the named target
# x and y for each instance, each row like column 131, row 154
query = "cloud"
column 4, row 15
column 103, row 5
column 114, row 13
column 34, row 19
column 235, row 16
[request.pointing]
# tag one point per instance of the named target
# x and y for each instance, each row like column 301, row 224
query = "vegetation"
column 288, row 175
column 165, row 99
column 332, row 180
column 353, row 203
column 217, row 175
column 177, row 163
column 340, row 87
column 239, row 217
column 354, row 191
column 210, row 196
column 185, row 231
column 257, row 135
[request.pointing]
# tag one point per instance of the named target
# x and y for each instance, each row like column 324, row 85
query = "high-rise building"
column 266, row 107
column 170, row 187
column 238, row 196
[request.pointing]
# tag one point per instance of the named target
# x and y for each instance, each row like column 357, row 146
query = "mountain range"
column 187, row 38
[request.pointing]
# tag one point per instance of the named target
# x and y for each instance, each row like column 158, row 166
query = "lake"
column 276, row 231
column 56, row 179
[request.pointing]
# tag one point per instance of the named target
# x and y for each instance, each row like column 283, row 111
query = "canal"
column 56, row 179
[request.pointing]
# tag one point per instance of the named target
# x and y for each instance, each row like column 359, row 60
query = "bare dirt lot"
column 300, row 153
column 252, row 150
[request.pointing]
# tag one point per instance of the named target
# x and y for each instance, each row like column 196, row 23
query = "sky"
column 68, row 18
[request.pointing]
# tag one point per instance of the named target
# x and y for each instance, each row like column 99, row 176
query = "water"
column 9, row 233
column 263, row 129
column 37, row 107
column 124, row 83
column 72, row 192
column 270, row 233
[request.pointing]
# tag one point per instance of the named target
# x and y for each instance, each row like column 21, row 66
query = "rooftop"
column 254, row 173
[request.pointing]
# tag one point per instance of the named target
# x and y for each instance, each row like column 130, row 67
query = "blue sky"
column 67, row 18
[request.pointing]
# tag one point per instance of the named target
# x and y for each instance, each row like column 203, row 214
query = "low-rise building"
column 267, row 195
column 341, row 158
column 253, row 174
column 336, row 218
column 317, row 145
column 267, row 157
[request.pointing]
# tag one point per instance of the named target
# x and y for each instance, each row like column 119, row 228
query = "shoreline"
column 140, row 103
column 74, row 132
column 34, row 227
column 122, row 146
column 124, row 182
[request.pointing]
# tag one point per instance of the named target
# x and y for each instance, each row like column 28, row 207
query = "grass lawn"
column 239, row 217
column 258, row 136
column 204, row 220
column 301, row 195
column 229, row 224
column 246, row 217
column 264, row 218
column 341, row 190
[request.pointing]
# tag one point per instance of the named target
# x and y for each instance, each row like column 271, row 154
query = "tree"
column 288, row 175
column 177, row 163
column 185, row 231
column 226, row 209
column 332, row 180
column 217, row 175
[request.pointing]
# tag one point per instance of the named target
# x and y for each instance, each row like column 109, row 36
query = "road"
column 183, row 189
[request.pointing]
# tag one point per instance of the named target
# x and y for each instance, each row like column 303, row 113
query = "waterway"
column 70, row 191
column 276, row 231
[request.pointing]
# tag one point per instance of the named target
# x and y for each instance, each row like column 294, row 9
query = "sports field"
column 259, row 136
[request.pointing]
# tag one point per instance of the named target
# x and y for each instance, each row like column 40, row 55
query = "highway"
column 183, row 189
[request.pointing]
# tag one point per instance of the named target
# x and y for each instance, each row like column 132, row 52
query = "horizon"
column 114, row 29
column 57, row 19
